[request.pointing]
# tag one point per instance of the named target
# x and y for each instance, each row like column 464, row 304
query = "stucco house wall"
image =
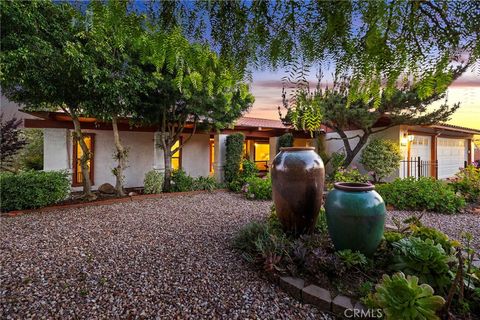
column 336, row 145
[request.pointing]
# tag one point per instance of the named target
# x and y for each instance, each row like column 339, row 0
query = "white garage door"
column 420, row 147
column 451, row 156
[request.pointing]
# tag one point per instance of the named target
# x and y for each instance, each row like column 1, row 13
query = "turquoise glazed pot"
column 298, row 176
column 355, row 217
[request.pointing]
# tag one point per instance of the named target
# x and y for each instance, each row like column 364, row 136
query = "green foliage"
column 31, row 157
column 205, row 183
column 402, row 298
column 352, row 259
column 467, row 183
column 381, row 158
column 153, row 182
column 423, row 194
column 234, row 149
column 393, row 236
column 249, row 170
column 435, row 235
column 181, row 182
column 258, row 188
column 346, row 175
column 257, row 242
column 33, row 189
column 284, row 141
column 424, row 259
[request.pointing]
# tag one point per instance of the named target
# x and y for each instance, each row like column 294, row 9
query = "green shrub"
column 347, row 175
column 403, row 298
column 423, row 194
column 424, row 259
column 205, row 183
column 234, row 150
column 352, row 259
column 381, row 158
column 435, row 235
column 33, row 189
column 153, row 182
column 467, row 183
column 249, row 169
column 284, row 141
column 336, row 161
column 258, row 188
column 181, row 182
column 31, row 156
column 256, row 241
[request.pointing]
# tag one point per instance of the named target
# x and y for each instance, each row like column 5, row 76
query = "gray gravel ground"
column 158, row 258
column 451, row 225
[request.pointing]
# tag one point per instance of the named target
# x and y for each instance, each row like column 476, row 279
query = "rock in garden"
column 106, row 188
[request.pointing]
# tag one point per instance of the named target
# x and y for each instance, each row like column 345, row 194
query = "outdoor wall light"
column 411, row 137
column 404, row 140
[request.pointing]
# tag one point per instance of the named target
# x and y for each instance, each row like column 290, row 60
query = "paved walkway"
column 158, row 258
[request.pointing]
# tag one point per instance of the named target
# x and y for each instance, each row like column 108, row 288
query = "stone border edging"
column 319, row 297
column 139, row 197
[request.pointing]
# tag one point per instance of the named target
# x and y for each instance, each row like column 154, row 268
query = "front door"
column 420, row 147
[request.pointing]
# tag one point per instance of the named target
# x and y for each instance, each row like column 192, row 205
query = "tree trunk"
column 352, row 153
column 87, row 184
column 167, row 157
column 121, row 156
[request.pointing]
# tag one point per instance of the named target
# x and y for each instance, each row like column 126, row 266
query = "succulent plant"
column 403, row 298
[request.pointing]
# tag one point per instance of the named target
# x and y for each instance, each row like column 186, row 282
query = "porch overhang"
column 61, row 120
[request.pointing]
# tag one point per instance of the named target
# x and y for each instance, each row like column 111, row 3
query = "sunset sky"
column 267, row 89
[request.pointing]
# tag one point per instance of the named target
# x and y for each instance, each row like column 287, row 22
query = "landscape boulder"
column 107, row 188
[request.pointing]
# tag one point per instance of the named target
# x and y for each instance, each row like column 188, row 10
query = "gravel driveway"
column 158, row 258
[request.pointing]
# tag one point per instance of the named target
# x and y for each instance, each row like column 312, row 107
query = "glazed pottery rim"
column 296, row 148
column 354, row 186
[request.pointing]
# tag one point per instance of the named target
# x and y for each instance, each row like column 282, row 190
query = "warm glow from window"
column 262, row 155
column 78, row 172
column 176, row 156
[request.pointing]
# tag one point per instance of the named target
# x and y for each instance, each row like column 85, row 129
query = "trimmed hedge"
column 33, row 189
column 234, row 149
column 422, row 194
column 285, row 140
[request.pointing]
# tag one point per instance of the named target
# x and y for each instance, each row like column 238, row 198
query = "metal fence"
column 416, row 167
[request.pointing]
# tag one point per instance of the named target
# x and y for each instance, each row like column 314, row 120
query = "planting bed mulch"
column 167, row 257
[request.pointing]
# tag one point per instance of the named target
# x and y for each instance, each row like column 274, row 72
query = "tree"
column 373, row 41
column 381, row 158
column 408, row 105
column 189, row 86
column 42, row 64
column 11, row 141
column 285, row 140
column 115, row 79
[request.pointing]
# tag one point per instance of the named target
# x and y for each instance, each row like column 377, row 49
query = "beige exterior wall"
column 336, row 145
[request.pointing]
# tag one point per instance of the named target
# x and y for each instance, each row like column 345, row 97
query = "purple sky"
column 267, row 89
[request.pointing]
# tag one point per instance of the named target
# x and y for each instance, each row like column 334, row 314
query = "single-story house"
column 437, row 150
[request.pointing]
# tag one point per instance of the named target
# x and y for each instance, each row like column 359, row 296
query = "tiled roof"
column 460, row 128
column 260, row 123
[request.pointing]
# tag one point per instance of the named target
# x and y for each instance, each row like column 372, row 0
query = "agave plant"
column 403, row 298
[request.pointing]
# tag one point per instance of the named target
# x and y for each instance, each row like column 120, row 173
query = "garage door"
column 420, row 147
column 451, row 156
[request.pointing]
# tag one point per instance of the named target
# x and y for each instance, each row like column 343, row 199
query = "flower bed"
column 415, row 259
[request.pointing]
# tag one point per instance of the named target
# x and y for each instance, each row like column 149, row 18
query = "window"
column 177, row 156
column 262, row 155
column 77, row 155
column 212, row 155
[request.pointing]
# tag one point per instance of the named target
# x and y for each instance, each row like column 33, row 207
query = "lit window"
column 77, row 155
column 176, row 157
column 262, row 155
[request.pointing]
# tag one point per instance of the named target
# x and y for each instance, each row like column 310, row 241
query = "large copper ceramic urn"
column 298, row 176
